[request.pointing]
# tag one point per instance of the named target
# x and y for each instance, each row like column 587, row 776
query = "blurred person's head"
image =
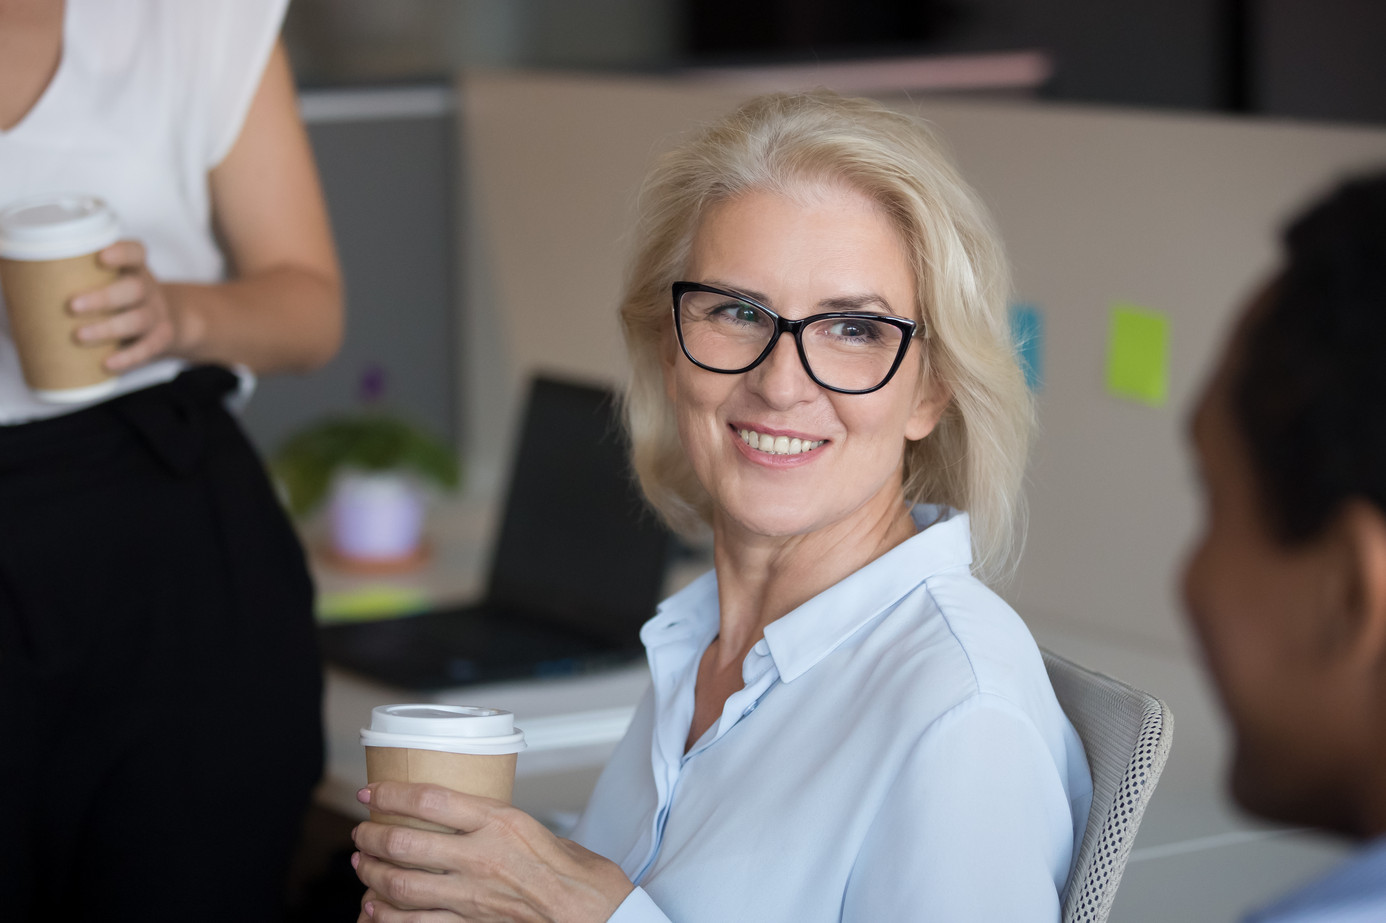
column 797, row 146
column 1286, row 588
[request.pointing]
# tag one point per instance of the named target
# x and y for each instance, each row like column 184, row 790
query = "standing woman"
column 845, row 723
column 157, row 655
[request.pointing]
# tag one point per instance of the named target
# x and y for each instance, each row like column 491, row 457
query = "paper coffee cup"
column 464, row 748
column 48, row 247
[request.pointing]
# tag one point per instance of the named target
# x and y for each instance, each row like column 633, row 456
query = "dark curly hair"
column 1309, row 391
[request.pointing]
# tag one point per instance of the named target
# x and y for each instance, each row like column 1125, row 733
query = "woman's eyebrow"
column 839, row 303
column 855, row 303
column 738, row 290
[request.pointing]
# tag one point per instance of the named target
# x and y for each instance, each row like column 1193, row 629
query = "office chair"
column 1126, row 733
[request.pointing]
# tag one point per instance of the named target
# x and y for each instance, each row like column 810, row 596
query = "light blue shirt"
column 897, row 753
column 1354, row 892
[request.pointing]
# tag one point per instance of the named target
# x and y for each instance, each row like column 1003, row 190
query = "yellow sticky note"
column 1138, row 354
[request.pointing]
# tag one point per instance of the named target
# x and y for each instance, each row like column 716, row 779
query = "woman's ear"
column 931, row 400
column 1357, row 604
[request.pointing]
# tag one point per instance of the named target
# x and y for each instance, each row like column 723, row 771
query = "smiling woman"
column 959, row 280
column 844, row 723
column 819, row 245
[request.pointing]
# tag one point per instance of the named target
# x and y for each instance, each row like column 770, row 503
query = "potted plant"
column 372, row 469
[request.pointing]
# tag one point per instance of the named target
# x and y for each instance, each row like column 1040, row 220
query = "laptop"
column 577, row 568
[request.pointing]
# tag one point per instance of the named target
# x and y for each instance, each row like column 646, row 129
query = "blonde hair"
column 975, row 458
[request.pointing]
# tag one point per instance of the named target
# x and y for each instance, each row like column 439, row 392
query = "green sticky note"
column 1138, row 354
column 370, row 602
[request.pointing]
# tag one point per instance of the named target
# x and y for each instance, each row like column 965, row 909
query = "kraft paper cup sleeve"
column 490, row 776
column 466, row 748
column 48, row 253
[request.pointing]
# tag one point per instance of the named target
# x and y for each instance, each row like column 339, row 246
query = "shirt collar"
column 806, row 635
column 687, row 615
column 803, row 637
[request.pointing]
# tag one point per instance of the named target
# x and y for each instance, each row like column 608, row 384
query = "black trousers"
column 160, row 690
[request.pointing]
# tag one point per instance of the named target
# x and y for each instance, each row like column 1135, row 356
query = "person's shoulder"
column 1352, row 892
column 954, row 633
column 987, row 631
column 218, row 13
column 218, row 50
column 215, row 35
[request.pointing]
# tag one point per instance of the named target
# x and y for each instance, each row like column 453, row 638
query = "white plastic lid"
column 448, row 728
column 55, row 227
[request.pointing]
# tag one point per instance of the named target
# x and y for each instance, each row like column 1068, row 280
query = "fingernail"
column 356, row 860
column 79, row 303
column 370, row 909
column 364, row 796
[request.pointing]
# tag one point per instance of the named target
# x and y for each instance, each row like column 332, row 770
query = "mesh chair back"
column 1126, row 733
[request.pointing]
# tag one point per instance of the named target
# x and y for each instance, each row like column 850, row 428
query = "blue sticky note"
column 1027, row 333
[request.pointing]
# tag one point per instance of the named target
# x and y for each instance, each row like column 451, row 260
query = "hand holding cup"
column 464, row 748
column 133, row 311
column 443, row 835
column 498, row 864
column 48, row 254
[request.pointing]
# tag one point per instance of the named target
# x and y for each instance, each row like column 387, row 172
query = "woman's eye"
column 855, row 330
column 738, row 311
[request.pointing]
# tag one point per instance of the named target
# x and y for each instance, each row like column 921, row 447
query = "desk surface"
column 1196, row 857
column 571, row 724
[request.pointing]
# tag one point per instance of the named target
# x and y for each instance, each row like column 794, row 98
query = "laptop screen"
column 578, row 547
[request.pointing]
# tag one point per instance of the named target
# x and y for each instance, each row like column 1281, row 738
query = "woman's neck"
column 31, row 40
column 761, row 578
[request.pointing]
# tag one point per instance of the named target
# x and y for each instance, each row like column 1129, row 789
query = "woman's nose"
column 782, row 379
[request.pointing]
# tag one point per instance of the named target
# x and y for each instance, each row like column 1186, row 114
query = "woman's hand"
column 281, row 306
column 134, row 310
column 502, row 864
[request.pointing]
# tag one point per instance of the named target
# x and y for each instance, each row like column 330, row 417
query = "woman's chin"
column 771, row 521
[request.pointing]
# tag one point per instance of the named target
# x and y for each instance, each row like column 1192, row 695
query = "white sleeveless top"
column 149, row 96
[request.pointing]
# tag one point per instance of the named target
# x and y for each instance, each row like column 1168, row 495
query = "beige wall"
column 1175, row 213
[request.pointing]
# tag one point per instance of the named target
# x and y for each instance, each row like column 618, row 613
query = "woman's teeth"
column 778, row 445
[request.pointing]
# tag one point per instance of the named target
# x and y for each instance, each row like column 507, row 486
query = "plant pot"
column 376, row 518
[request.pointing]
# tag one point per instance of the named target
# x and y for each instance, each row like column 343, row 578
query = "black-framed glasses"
column 851, row 352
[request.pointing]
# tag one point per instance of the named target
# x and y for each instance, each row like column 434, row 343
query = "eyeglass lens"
column 727, row 334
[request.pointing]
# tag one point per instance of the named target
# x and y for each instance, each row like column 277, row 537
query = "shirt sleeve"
column 977, row 826
column 224, row 49
column 638, row 907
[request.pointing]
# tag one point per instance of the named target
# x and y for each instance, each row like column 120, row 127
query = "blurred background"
column 378, row 81
column 1321, row 60
column 1132, row 149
